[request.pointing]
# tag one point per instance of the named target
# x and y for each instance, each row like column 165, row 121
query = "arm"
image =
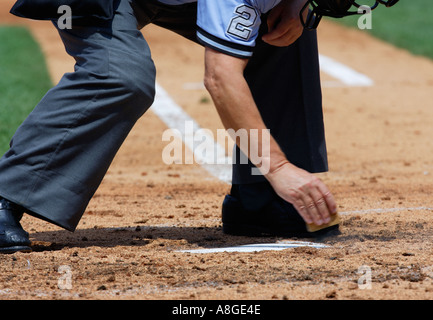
column 233, row 99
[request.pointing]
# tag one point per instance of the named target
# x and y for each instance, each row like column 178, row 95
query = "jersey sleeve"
column 231, row 26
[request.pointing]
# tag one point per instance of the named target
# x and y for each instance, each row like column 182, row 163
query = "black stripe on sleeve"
column 234, row 49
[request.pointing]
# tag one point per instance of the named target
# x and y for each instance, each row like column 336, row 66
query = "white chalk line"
column 282, row 245
column 175, row 118
column 343, row 73
column 385, row 210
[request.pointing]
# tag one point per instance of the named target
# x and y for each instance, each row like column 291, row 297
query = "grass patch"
column 408, row 25
column 23, row 79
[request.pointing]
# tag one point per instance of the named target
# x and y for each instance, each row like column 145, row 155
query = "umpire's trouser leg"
column 61, row 152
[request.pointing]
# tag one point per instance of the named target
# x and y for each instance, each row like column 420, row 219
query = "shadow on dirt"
column 180, row 238
column 171, row 237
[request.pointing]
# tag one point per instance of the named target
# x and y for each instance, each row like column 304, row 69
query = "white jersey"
column 230, row 26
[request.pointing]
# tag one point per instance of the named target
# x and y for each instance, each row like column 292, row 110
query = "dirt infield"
column 128, row 244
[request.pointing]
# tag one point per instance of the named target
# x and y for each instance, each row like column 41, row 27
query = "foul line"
column 260, row 247
column 346, row 75
column 386, row 210
column 175, row 118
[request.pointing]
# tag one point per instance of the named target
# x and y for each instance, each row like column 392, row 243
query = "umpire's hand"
column 308, row 194
column 284, row 23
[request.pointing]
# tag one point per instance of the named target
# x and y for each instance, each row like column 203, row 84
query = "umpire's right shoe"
column 275, row 218
column 13, row 238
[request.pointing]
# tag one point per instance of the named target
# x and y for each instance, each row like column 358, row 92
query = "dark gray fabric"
column 61, row 152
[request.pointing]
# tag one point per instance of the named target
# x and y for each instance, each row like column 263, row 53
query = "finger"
column 321, row 205
column 303, row 212
column 278, row 32
column 283, row 36
column 313, row 212
column 283, row 41
column 274, row 16
column 278, row 25
column 272, row 19
column 329, row 198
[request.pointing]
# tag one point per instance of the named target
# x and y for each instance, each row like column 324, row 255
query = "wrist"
column 275, row 166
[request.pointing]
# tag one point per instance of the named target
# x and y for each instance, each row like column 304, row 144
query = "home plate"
column 261, row 247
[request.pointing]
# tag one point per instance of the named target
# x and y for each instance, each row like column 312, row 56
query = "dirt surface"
column 127, row 246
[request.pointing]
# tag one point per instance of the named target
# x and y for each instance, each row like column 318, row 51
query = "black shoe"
column 13, row 238
column 277, row 218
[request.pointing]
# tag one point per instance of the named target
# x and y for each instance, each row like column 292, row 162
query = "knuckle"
column 321, row 202
column 328, row 195
column 294, row 194
column 300, row 204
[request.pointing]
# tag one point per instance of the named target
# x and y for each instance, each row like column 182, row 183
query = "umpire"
column 261, row 70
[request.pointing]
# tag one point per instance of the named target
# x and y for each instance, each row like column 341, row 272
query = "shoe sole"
column 8, row 250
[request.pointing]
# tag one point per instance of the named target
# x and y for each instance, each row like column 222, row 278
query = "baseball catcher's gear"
column 335, row 9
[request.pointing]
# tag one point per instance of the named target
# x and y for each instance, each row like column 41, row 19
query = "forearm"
column 238, row 111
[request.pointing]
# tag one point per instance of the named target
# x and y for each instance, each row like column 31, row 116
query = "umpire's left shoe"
column 13, row 238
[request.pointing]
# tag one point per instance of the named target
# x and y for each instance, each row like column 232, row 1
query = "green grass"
column 408, row 25
column 23, row 79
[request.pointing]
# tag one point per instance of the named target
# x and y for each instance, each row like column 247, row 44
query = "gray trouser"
column 61, row 152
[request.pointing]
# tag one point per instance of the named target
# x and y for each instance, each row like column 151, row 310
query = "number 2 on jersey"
column 240, row 25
